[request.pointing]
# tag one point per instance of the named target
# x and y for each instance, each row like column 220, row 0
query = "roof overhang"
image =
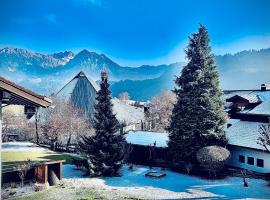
column 22, row 96
column 249, row 148
column 237, row 98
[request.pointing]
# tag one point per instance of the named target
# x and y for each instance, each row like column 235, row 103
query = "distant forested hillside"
column 244, row 70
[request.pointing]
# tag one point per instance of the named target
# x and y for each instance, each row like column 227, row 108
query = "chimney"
column 265, row 87
column 104, row 75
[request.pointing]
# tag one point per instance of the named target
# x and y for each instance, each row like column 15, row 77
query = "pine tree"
column 198, row 116
column 104, row 151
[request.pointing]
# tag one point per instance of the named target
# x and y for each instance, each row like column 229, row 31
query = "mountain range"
column 47, row 73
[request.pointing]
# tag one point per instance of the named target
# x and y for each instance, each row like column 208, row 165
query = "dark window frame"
column 241, row 158
column 250, row 160
column 260, row 162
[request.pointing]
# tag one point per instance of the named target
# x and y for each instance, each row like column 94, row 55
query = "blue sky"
column 133, row 32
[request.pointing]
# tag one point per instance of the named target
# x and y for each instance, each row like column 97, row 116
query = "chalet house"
column 243, row 135
column 243, row 101
column 248, row 110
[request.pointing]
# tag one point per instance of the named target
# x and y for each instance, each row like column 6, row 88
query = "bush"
column 213, row 158
column 22, row 169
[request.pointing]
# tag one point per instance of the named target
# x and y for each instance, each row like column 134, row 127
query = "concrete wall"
column 234, row 160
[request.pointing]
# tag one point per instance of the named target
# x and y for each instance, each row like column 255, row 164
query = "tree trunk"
column 53, row 145
column 36, row 125
column 68, row 142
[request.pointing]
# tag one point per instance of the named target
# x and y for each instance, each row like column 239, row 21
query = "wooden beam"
column 46, row 174
column 41, row 102
column 60, row 170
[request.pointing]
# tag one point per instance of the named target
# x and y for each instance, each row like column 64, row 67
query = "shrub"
column 22, row 169
column 213, row 158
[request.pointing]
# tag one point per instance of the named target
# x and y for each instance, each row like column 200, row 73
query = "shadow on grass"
column 8, row 166
column 55, row 157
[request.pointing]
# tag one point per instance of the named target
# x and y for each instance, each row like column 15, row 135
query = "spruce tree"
column 198, row 117
column 104, row 150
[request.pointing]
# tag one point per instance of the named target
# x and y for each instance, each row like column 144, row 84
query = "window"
column 250, row 161
column 260, row 162
column 241, row 159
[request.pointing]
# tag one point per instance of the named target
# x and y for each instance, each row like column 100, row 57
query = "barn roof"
column 145, row 138
column 70, row 86
column 244, row 134
column 82, row 91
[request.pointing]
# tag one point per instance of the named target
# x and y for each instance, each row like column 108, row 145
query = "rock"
column 41, row 186
column 12, row 193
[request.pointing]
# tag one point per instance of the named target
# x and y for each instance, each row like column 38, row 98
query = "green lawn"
column 11, row 158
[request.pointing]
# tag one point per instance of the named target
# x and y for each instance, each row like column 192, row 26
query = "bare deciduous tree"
column 264, row 138
column 22, row 170
column 63, row 124
column 16, row 123
column 160, row 110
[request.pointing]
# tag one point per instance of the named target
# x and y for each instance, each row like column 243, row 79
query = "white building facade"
column 250, row 159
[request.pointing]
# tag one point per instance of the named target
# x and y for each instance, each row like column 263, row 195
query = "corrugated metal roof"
column 244, row 134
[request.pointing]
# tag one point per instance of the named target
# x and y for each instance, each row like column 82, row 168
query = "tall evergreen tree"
column 198, row 116
column 105, row 150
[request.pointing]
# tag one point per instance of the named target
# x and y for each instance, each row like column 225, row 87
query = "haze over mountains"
column 48, row 73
